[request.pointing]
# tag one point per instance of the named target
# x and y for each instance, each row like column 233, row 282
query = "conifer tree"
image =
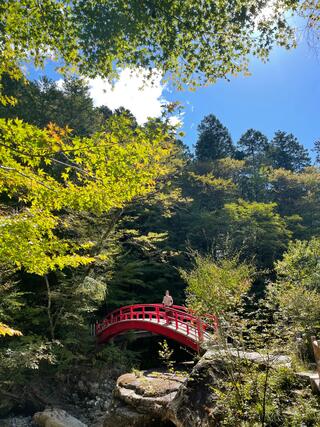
column 286, row 152
column 214, row 140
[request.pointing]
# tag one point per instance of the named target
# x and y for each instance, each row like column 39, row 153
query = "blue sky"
column 281, row 94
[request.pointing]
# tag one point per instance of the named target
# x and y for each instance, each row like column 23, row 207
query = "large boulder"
column 122, row 415
column 56, row 418
column 195, row 403
column 141, row 399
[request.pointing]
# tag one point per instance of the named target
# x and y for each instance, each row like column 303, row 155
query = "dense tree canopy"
column 297, row 291
column 110, row 213
column 97, row 175
column 42, row 102
column 193, row 41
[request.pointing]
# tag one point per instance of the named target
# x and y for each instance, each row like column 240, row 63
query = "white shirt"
column 167, row 300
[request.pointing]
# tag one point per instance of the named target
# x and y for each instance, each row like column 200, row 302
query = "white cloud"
column 176, row 120
column 143, row 98
column 59, row 84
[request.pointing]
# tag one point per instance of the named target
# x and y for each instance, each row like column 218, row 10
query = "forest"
column 229, row 212
column 98, row 211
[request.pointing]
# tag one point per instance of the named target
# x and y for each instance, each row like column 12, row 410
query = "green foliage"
column 10, row 304
column 93, row 222
column 300, row 265
column 43, row 102
column 253, row 144
column 254, row 389
column 214, row 141
column 165, row 354
column 214, row 191
column 317, row 150
column 194, row 42
column 305, row 412
column 58, row 193
column 87, row 182
column 297, row 196
column 286, row 152
column 251, row 396
column 216, row 287
column 22, row 358
column 297, row 291
column 258, row 230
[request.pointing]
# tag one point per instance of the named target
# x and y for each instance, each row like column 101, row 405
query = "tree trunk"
column 51, row 325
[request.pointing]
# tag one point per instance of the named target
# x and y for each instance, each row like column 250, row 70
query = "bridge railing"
column 177, row 317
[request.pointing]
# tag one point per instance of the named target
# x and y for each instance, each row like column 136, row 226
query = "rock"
column 142, row 401
column 195, row 402
column 310, row 378
column 16, row 422
column 94, row 387
column 106, row 405
column 275, row 360
column 124, row 416
column 81, row 386
column 56, row 418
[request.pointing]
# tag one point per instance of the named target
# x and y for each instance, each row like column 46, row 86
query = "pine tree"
column 214, row 140
column 317, row 150
column 286, row 152
column 253, row 144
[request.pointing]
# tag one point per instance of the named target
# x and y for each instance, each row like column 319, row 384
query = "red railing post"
column 199, row 328
column 166, row 316
column 143, row 313
column 176, row 319
column 157, row 314
column 131, row 312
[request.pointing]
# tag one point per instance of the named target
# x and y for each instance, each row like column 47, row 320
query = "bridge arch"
column 176, row 323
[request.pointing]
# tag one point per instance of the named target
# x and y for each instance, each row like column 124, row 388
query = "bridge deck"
column 175, row 322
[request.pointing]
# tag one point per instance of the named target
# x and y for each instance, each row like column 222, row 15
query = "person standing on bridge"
column 168, row 302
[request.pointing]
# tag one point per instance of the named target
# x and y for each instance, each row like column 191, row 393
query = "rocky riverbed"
column 146, row 398
column 84, row 394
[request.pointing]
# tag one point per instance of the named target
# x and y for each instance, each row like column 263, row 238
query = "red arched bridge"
column 177, row 323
